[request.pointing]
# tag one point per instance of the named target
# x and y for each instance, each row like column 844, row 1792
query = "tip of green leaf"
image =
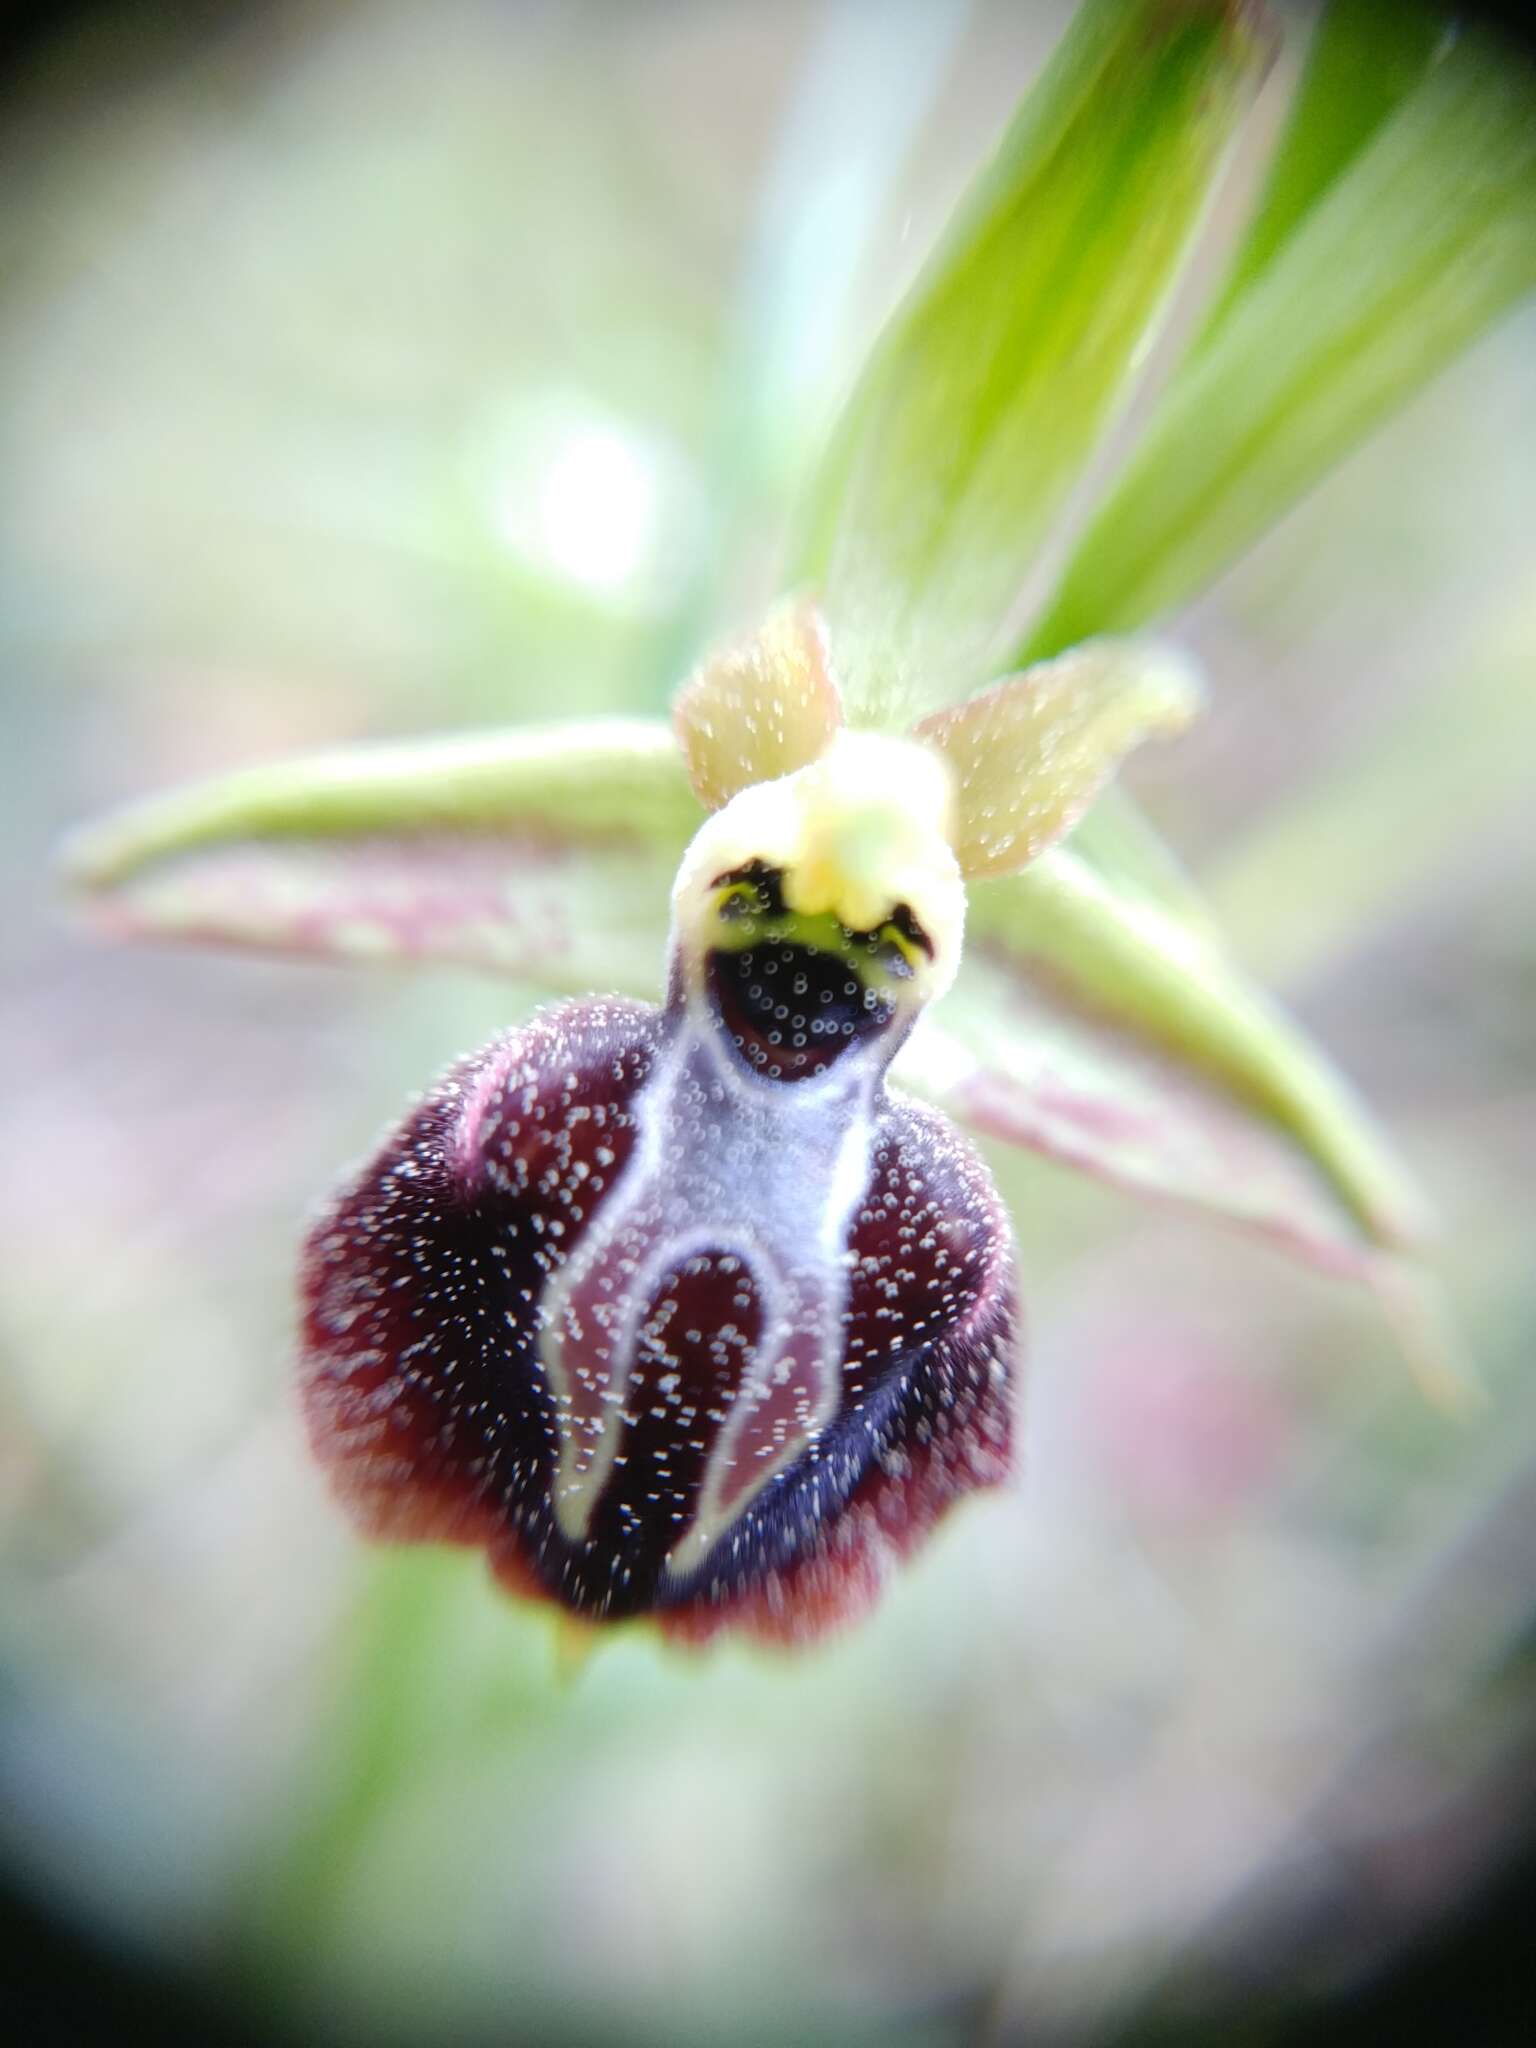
column 1418, row 1313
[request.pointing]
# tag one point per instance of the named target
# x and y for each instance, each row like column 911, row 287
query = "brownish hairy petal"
column 1032, row 753
column 760, row 708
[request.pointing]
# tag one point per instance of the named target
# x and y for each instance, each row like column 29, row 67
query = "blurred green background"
column 371, row 369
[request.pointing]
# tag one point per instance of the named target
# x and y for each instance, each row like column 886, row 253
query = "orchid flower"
column 687, row 1309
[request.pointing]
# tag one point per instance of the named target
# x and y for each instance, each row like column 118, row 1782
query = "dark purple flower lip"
column 682, row 1313
column 668, row 1338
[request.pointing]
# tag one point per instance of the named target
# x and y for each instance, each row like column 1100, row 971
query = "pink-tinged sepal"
column 669, row 1338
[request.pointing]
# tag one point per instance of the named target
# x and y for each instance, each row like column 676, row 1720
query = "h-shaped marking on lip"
column 729, row 1164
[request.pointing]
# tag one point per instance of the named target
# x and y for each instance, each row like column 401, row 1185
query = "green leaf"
column 547, row 853
column 1094, row 1026
column 1424, row 240
column 1365, row 57
column 999, row 375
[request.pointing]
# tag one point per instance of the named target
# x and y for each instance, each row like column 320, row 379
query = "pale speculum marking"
column 728, row 1166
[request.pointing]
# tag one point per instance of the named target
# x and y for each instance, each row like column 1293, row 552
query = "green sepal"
column 1096, row 1026
column 547, row 852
